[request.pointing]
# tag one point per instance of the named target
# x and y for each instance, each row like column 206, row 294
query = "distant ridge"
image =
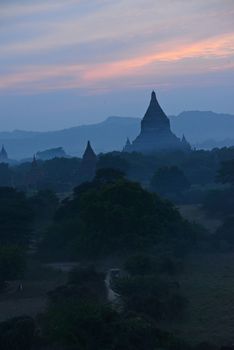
column 201, row 128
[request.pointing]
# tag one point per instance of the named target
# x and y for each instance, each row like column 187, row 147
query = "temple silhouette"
column 156, row 134
column 88, row 164
column 3, row 155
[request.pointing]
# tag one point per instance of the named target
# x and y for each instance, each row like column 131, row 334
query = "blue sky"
column 72, row 62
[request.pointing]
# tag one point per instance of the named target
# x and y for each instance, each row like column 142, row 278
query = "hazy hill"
column 202, row 126
column 206, row 129
column 106, row 136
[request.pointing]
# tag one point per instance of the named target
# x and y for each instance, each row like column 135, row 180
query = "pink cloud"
column 202, row 56
column 213, row 48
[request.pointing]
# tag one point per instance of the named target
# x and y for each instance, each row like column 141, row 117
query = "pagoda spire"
column 127, row 146
column 88, row 164
column 89, row 153
column 154, row 118
column 3, row 155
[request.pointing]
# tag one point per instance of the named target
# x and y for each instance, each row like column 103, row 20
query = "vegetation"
column 12, row 263
column 16, row 217
column 169, row 180
column 166, row 276
column 114, row 215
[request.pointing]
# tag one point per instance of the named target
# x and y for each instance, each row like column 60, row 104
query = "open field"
column 208, row 283
column 32, row 299
column 194, row 212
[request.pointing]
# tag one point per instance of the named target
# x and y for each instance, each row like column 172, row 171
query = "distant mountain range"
column 202, row 129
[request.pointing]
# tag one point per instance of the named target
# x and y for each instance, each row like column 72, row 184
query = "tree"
column 16, row 217
column 17, row 333
column 226, row 231
column 5, row 175
column 44, row 204
column 113, row 160
column 108, row 175
column 120, row 216
column 139, row 265
column 12, row 263
column 169, row 180
column 226, row 172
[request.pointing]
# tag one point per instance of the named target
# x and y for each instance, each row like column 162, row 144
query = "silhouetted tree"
column 15, row 217
column 5, row 175
column 226, row 172
column 169, row 180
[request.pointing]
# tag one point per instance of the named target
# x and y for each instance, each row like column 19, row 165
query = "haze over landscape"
column 117, row 175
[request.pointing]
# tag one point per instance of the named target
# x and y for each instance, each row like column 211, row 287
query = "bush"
column 226, row 231
column 17, row 333
column 139, row 265
column 114, row 217
column 168, row 180
column 12, row 263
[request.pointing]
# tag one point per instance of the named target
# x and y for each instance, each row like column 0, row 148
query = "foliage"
column 88, row 325
column 17, row 333
column 83, row 283
column 57, row 174
column 152, row 296
column 139, row 265
column 113, row 160
column 169, row 180
column 226, row 231
column 44, row 204
column 12, row 263
column 219, row 202
column 118, row 216
column 15, row 217
column 226, row 172
column 85, row 325
column 5, row 175
column 108, row 175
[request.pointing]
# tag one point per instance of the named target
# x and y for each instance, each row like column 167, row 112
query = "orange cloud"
column 217, row 47
column 211, row 55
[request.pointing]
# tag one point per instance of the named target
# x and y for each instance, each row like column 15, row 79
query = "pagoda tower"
column 87, row 169
column 3, row 155
column 34, row 175
column 156, row 134
column 127, row 146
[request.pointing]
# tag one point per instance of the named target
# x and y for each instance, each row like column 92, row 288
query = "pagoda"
column 3, row 155
column 156, row 134
column 88, row 164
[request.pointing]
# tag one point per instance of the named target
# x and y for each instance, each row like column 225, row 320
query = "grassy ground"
column 208, row 283
column 38, row 281
column 196, row 214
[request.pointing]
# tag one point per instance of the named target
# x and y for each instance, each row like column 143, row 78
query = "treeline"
column 188, row 174
column 112, row 215
column 18, row 216
column 58, row 174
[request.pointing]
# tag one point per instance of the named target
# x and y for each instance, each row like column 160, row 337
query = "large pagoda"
column 156, row 134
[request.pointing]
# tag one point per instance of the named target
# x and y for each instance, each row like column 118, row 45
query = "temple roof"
column 154, row 116
column 89, row 153
column 3, row 153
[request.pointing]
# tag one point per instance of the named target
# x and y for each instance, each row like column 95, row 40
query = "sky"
column 70, row 62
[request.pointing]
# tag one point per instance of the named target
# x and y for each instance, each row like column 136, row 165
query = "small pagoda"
column 87, row 169
column 3, row 155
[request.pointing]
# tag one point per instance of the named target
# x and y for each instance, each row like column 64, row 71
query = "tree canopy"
column 115, row 215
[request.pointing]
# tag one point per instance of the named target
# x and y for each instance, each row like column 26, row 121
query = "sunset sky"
column 70, row 62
